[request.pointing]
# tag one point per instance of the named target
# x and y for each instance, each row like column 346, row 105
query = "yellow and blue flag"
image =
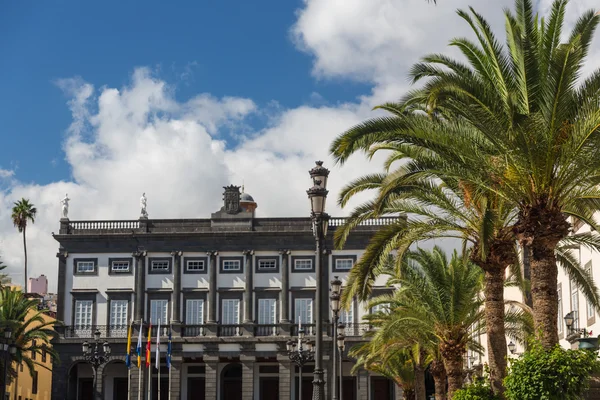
column 128, row 356
column 139, row 347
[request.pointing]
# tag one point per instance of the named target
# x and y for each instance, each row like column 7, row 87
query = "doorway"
column 381, row 388
column 85, row 388
column 120, row 389
column 269, row 388
column 231, row 382
column 195, row 388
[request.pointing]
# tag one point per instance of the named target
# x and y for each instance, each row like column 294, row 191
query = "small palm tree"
column 23, row 211
column 32, row 331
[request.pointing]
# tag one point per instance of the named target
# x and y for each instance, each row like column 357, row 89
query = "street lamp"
column 300, row 355
column 336, row 286
column 7, row 349
column 341, row 338
column 320, row 221
column 512, row 347
column 96, row 356
column 575, row 334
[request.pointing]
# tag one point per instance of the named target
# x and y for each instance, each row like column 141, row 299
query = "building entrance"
column 231, row 382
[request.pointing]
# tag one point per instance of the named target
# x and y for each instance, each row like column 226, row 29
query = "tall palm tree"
column 31, row 330
column 22, row 212
column 437, row 298
column 513, row 121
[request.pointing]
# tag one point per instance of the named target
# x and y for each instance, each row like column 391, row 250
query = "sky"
column 105, row 100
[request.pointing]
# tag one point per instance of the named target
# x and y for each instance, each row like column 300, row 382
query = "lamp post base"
column 318, row 385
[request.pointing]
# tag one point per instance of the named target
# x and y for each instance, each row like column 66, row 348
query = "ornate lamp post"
column 512, row 347
column 320, row 221
column 336, row 285
column 300, row 352
column 7, row 350
column 575, row 334
column 341, row 338
column 96, row 355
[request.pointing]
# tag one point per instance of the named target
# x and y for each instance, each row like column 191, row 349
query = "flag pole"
column 150, row 383
column 139, row 363
column 158, row 356
column 169, row 350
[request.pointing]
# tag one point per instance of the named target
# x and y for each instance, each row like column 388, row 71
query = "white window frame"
column 119, row 310
column 590, row 313
column 154, row 263
column 575, row 304
column 230, row 312
column 347, row 316
column 337, row 263
column 119, row 269
column 560, row 309
column 269, row 261
column 194, row 312
column 303, row 307
column 267, row 311
column 156, row 313
column 80, row 270
column 83, row 315
column 307, row 261
column 228, row 265
column 198, row 262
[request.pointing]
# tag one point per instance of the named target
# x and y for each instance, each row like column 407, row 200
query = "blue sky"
column 233, row 48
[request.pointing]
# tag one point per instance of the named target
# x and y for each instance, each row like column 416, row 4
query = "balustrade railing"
column 266, row 330
column 103, row 225
column 356, row 329
column 309, row 329
column 88, row 331
column 230, row 330
column 192, row 330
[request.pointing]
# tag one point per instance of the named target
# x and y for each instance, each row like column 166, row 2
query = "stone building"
column 234, row 288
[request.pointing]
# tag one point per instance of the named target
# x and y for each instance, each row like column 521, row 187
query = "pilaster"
column 286, row 371
column 248, row 298
column 62, row 285
column 363, row 385
column 176, row 366
column 140, row 285
column 212, row 289
column 247, row 379
column 210, row 378
column 285, row 287
column 176, row 286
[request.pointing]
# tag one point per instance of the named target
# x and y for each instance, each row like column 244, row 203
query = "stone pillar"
column 248, row 256
column 62, row 286
column 212, row 287
column 176, row 287
column 286, row 381
column 210, row 378
column 247, row 379
column 363, row 385
column 136, row 377
column 325, row 307
column 99, row 389
column 60, row 380
column 176, row 367
column 398, row 392
column 285, row 286
column 140, row 285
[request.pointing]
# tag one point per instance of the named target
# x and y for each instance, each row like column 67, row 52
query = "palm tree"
column 23, row 211
column 31, row 330
column 439, row 299
column 512, row 121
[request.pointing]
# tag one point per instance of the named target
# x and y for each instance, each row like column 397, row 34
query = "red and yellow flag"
column 148, row 353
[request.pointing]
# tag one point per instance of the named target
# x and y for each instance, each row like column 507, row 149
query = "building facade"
column 234, row 289
column 38, row 285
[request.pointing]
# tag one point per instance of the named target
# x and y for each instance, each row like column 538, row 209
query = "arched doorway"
column 81, row 381
column 115, row 380
column 231, row 382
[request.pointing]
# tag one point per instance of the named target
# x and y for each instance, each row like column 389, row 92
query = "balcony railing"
column 356, row 329
column 192, row 330
column 230, row 330
column 309, row 329
column 266, row 330
column 87, row 331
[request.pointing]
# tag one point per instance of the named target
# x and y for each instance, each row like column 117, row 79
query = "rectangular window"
column 344, row 264
column 33, row 351
column 347, row 316
column 230, row 314
column 194, row 312
column 159, row 309
column 560, row 309
column 303, row 264
column 589, row 306
column 380, row 307
column 34, row 385
column 267, row 264
column 267, row 311
column 195, row 265
column 575, row 304
column 303, row 310
column 83, row 313
column 231, row 265
column 118, row 313
column 44, row 353
column 159, row 265
column 85, row 267
column 120, row 266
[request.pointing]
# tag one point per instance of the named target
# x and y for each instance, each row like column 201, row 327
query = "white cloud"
column 139, row 138
column 6, row 173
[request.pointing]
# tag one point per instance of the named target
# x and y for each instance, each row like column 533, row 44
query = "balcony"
column 193, row 330
column 266, row 330
column 230, row 330
column 87, row 332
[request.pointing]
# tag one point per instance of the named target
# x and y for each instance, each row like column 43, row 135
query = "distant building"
column 38, row 285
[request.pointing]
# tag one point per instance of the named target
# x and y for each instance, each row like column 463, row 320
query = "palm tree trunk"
column 455, row 370
column 408, row 393
column 494, row 320
column 438, row 371
column 420, row 383
column 25, row 249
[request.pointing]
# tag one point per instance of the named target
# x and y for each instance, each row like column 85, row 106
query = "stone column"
column 325, row 307
column 248, row 380
column 211, row 322
column 140, row 285
column 285, row 286
column 210, row 378
column 176, row 287
column 176, row 367
column 136, row 377
column 248, row 256
column 363, row 385
column 62, row 286
column 286, row 381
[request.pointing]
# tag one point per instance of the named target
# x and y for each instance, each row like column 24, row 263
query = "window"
column 347, row 316
column 560, row 309
column 303, row 264
column 303, row 310
column 230, row 313
column 44, row 353
column 118, row 313
column 120, row 266
column 267, row 311
column 575, row 304
column 159, row 266
column 194, row 312
column 34, row 385
column 380, row 307
column 269, row 264
column 231, row 265
column 33, row 351
column 588, row 306
column 195, row 265
column 344, row 264
column 159, row 309
column 83, row 313
column 84, row 267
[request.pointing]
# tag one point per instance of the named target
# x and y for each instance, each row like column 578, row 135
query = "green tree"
column 22, row 212
column 31, row 329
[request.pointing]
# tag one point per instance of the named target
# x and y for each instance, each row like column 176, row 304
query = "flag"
column 128, row 356
column 169, row 350
column 157, row 365
column 148, row 354
column 139, row 346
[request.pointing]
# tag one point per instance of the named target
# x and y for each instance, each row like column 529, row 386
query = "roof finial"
column 243, row 191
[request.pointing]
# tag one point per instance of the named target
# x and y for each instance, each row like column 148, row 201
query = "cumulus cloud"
column 140, row 138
